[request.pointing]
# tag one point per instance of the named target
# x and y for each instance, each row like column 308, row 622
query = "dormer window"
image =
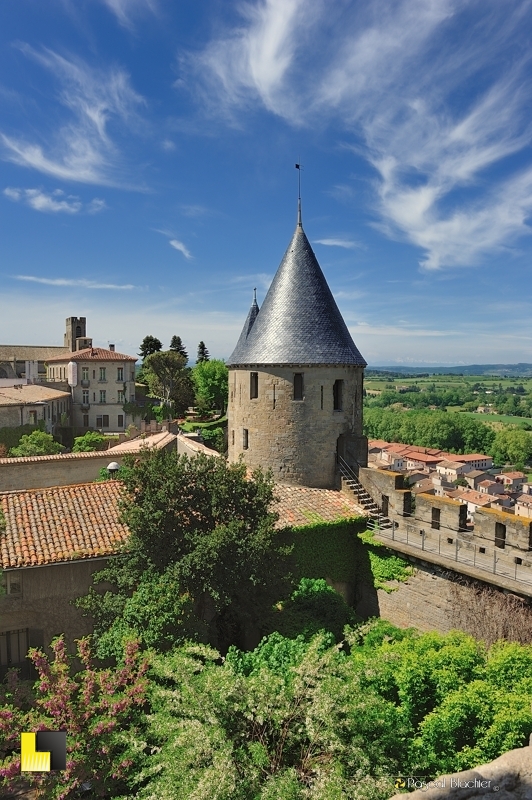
column 298, row 386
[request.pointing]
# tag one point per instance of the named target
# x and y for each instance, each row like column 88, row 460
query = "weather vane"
column 299, row 167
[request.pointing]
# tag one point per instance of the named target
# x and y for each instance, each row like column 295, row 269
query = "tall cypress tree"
column 203, row 353
column 177, row 345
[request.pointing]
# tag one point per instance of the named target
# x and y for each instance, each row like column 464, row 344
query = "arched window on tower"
column 78, row 331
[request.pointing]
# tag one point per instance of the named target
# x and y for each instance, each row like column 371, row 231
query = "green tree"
column 177, row 345
column 169, row 379
column 200, row 532
column 203, row 353
column 211, row 382
column 512, row 445
column 37, row 443
column 149, row 345
column 89, row 442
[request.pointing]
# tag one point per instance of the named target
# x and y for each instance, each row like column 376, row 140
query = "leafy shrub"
column 89, row 442
column 37, row 443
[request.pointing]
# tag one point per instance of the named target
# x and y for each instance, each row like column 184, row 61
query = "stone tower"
column 296, row 379
column 76, row 334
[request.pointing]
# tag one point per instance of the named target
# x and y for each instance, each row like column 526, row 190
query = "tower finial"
column 255, row 295
column 299, row 168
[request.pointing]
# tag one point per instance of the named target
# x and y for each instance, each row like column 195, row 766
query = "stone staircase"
column 376, row 519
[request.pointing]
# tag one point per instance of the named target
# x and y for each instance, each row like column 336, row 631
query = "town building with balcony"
column 101, row 382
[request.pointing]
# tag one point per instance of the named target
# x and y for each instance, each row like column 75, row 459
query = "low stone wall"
column 509, row 777
column 191, row 446
column 39, row 472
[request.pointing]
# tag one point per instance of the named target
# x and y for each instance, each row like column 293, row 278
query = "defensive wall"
column 433, row 531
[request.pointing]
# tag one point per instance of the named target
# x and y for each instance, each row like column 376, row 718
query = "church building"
column 296, row 379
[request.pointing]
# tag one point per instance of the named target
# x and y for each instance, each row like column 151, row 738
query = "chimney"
column 112, row 348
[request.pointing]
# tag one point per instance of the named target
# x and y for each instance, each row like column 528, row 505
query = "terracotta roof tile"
column 299, row 506
column 92, row 354
column 65, row 523
column 44, row 526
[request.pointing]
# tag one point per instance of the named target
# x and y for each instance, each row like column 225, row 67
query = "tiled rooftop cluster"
column 437, row 472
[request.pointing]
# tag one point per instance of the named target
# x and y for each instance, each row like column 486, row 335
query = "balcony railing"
column 85, row 382
column 85, row 406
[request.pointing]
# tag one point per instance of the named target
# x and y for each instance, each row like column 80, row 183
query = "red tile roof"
column 92, row 354
column 65, row 523
column 45, row 526
column 298, row 506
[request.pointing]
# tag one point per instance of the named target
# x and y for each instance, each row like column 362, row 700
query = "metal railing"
column 454, row 549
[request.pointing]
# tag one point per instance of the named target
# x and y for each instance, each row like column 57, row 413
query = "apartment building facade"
column 101, row 381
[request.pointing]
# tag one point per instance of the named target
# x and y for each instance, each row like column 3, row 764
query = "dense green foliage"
column 203, row 561
column 215, row 438
column 210, row 379
column 327, row 549
column 314, row 606
column 203, row 353
column 10, row 437
column 149, row 345
column 169, row 379
column 37, row 443
column 90, row 441
column 295, row 719
column 457, row 433
column 453, row 432
column 512, row 446
column 177, row 345
column 385, row 565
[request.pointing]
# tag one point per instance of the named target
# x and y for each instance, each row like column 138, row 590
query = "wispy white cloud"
column 427, row 92
column 126, row 10
column 174, row 242
column 84, row 284
column 81, row 149
column 177, row 245
column 347, row 244
column 253, row 59
column 56, row 202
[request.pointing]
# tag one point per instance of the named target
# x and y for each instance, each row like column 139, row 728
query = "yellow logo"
column 42, row 751
column 400, row 783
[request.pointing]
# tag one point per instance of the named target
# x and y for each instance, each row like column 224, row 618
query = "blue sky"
column 147, row 169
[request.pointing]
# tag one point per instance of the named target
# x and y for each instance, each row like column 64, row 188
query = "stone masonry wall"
column 44, row 603
column 391, row 484
column 297, row 439
column 38, row 472
column 424, row 602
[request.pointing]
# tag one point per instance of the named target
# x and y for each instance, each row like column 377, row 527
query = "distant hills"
column 500, row 370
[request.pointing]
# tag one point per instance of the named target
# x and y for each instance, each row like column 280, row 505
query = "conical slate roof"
column 248, row 324
column 299, row 322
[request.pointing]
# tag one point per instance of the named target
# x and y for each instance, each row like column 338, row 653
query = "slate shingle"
column 299, row 322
